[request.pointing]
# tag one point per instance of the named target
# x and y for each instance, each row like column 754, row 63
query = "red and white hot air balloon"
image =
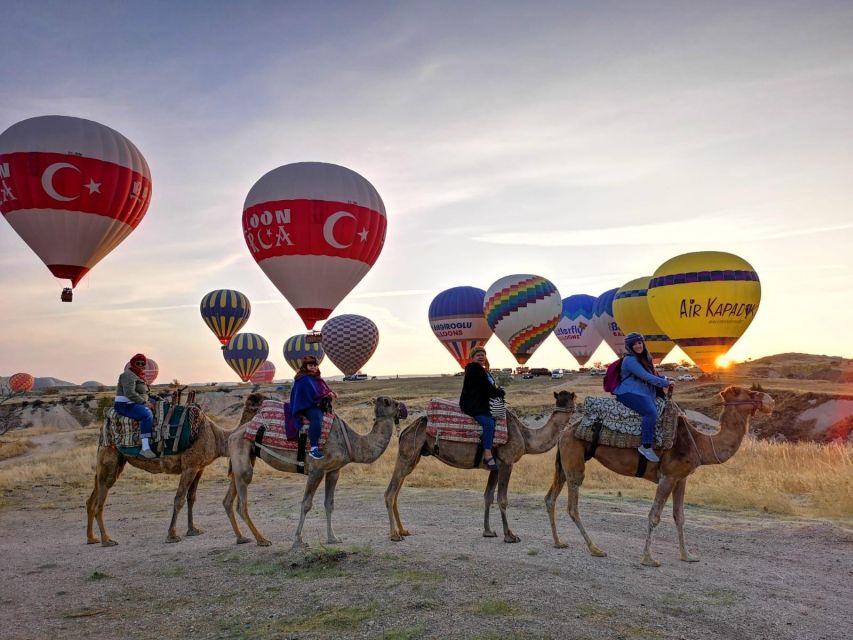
column 264, row 374
column 315, row 229
column 152, row 370
column 73, row 189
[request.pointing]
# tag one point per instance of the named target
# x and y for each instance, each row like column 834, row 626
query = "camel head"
column 385, row 407
column 757, row 400
column 565, row 400
column 251, row 406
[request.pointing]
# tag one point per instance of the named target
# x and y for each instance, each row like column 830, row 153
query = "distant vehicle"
column 527, row 376
column 556, row 374
column 597, row 372
column 355, row 377
column 540, row 371
column 682, row 368
column 687, row 377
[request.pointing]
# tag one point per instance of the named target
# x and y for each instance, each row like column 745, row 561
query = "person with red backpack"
column 637, row 389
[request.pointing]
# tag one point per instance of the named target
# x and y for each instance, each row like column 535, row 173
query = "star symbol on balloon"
column 93, row 187
column 363, row 235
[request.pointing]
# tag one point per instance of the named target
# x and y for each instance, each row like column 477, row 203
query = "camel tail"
column 558, row 467
column 230, row 471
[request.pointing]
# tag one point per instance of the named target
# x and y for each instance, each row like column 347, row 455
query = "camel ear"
column 556, row 396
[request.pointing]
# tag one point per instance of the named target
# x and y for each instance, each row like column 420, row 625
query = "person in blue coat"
column 637, row 389
column 310, row 398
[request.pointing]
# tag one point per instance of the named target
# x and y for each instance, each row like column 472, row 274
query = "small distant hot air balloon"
column 225, row 311
column 704, row 301
column 632, row 313
column 315, row 229
column 264, row 374
column 245, row 353
column 522, row 310
column 21, row 382
column 152, row 370
column 606, row 324
column 575, row 330
column 457, row 320
column 297, row 347
column 349, row 341
column 73, row 190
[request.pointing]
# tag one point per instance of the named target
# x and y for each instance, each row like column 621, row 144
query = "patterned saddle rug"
column 272, row 416
column 176, row 428
column 619, row 426
column 446, row 421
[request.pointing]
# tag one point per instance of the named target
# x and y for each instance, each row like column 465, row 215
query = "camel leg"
column 331, row 483
column 678, row 516
column 311, row 485
column 187, row 478
column 665, row 487
column 489, row 498
column 504, row 474
column 551, row 501
column 110, row 464
column 228, row 504
column 192, row 530
column 242, row 479
column 575, row 480
column 402, row 468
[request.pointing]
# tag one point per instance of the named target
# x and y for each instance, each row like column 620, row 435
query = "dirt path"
column 45, row 443
column 759, row 577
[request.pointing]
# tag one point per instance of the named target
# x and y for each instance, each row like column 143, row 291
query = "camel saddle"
column 271, row 423
column 446, row 421
column 607, row 422
column 176, row 427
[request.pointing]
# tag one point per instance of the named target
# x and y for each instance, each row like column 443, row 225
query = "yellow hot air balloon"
column 632, row 313
column 704, row 301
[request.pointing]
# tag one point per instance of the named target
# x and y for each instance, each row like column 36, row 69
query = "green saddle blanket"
column 174, row 430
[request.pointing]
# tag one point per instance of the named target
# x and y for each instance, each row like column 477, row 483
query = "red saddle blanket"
column 446, row 421
column 271, row 416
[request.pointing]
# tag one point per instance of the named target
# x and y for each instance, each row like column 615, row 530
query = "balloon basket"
column 313, row 337
column 66, row 295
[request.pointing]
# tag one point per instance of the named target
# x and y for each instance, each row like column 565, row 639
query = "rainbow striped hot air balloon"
column 575, row 330
column 349, row 341
column 522, row 310
column 457, row 320
column 152, row 370
column 245, row 353
column 297, row 347
column 264, row 374
column 705, row 301
column 21, row 382
column 606, row 324
column 225, row 311
column 632, row 313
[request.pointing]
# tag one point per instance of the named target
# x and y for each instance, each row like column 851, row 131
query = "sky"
column 584, row 142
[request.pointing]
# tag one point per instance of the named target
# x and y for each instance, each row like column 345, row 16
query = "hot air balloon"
column 225, row 311
column 21, row 382
column 704, row 301
column 245, row 353
column 457, row 320
column 522, row 310
column 297, row 347
column 606, row 324
column 349, row 341
column 315, row 229
column 632, row 313
column 72, row 189
column 151, row 371
column 575, row 330
column 264, row 374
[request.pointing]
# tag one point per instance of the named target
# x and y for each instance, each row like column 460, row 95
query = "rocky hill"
column 799, row 366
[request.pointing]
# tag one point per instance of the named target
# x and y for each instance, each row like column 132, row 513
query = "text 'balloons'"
column 456, row 318
column 349, row 341
column 225, row 311
column 297, row 347
column 575, row 331
column 633, row 315
column 245, row 353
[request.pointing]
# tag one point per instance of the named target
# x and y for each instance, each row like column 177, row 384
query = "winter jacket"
column 636, row 379
column 132, row 387
column 477, row 388
column 307, row 392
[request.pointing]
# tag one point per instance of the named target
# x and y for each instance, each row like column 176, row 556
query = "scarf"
column 139, row 371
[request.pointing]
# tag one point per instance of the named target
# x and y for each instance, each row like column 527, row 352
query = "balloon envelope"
column 297, row 347
column 315, row 229
column 457, row 320
column 632, row 313
column 705, row 301
column 265, row 373
column 349, row 341
column 606, row 324
column 73, row 189
column 152, row 370
column 245, row 353
column 225, row 311
column 21, row 382
column 522, row 310
column 575, row 330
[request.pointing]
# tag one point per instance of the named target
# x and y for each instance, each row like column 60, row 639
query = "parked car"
column 687, row 377
column 540, row 371
column 355, row 377
column 527, row 376
column 556, row 374
column 597, row 372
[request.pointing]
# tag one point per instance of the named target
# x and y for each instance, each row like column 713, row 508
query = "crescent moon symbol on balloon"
column 329, row 229
column 47, row 180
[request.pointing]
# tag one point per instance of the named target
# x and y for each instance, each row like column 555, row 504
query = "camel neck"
column 221, row 438
column 368, row 447
column 545, row 438
column 734, row 422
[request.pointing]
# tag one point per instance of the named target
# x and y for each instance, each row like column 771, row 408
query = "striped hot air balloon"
column 522, row 310
column 575, row 331
column 349, row 341
column 152, row 370
column 457, row 320
column 264, row 374
column 632, row 313
column 21, row 382
column 245, row 353
column 606, row 324
column 315, row 229
column 297, row 347
column 73, row 190
column 225, row 311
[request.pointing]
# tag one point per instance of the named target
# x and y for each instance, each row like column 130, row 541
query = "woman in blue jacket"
column 310, row 398
column 638, row 389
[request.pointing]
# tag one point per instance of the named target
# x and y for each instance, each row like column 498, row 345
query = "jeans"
column 137, row 412
column 488, row 424
column 645, row 406
column 315, row 424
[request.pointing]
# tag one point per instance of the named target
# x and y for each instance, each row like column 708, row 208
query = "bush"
column 103, row 406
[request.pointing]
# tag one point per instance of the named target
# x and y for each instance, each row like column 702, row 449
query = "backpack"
column 613, row 375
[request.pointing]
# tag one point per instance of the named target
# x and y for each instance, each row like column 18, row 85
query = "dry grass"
column 14, row 448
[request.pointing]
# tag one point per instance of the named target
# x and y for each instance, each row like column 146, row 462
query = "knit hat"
column 474, row 351
column 633, row 338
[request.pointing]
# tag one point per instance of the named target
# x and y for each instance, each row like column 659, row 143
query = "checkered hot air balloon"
column 297, row 347
column 264, row 374
column 606, row 324
column 245, row 353
column 349, row 341
column 21, row 382
column 456, row 318
column 575, row 330
column 225, row 311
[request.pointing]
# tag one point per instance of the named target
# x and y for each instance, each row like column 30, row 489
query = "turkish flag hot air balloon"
column 632, row 313
column 575, row 330
column 21, row 382
column 245, row 353
column 522, row 310
column 264, row 374
column 225, row 311
column 152, row 370
column 457, row 320
column 72, row 189
column 315, row 229
column 349, row 341
column 297, row 347
column 606, row 324
column 705, row 301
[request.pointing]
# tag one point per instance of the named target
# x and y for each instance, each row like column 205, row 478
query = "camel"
column 691, row 450
column 414, row 443
column 338, row 452
column 211, row 443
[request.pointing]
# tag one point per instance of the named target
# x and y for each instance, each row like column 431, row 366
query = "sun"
column 723, row 362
